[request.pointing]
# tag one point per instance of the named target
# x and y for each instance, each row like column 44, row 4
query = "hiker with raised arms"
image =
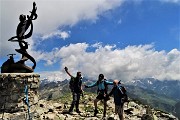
column 75, row 85
column 102, row 84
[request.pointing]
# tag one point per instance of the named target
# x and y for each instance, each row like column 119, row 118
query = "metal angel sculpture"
column 21, row 34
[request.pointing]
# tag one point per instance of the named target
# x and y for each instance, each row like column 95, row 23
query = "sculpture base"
column 16, row 68
column 12, row 91
column 21, row 68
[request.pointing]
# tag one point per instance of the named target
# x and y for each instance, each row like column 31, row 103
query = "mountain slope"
column 58, row 110
column 169, row 88
column 151, row 98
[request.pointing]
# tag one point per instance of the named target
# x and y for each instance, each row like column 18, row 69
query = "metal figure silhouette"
column 21, row 35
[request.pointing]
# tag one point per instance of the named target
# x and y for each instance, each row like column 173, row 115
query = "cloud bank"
column 52, row 15
column 126, row 64
column 131, row 62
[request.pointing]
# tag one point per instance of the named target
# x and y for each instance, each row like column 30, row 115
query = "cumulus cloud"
column 55, row 75
column 58, row 33
column 52, row 14
column 131, row 62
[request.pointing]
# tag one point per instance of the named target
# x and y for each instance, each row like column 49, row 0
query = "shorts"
column 100, row 97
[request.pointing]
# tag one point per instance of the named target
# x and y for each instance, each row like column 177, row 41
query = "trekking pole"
column 26, row 99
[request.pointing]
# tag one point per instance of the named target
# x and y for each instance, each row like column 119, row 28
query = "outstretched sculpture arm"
column 33, row 12
column 12, row 38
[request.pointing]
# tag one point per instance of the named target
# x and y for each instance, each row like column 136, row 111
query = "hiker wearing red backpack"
column 75, row 85
column 102, row 92
column 120, row 96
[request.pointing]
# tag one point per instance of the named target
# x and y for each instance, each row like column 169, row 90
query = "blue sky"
column 122, row 39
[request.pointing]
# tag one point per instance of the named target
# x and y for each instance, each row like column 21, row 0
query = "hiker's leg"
column 116, row 109
column 120, row 112
column 77, row 102
column 99, row 97
column 73, row 102
column 105, row 105
column 117, row 113
column 95, row 103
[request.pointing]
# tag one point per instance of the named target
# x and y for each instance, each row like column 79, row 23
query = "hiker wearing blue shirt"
column 118, row 94
column 102, row 92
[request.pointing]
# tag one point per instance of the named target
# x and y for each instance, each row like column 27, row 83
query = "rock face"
column 57, row 110
column 13, row 86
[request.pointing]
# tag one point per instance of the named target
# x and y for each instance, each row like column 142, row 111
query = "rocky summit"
column 58, row 110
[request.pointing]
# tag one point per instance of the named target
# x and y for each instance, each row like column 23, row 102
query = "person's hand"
column 119, row 82
column 107, row 97
column 82, row 90
column 66, row 69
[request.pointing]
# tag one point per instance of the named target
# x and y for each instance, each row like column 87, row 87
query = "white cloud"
column 55, row 75
column 52, row 14
column 171, row 1
column 58, row 33
column 132, row 62
column 65, row 35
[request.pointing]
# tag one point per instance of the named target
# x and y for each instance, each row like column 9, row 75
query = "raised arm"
column 66, row 69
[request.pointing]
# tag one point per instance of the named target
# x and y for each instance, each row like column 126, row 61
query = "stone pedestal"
column 12, row 91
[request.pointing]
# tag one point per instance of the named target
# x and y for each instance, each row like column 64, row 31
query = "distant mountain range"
column 169, row 88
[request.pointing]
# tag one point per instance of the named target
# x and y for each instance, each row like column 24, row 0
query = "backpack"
column 123, row 92
column 71, row 84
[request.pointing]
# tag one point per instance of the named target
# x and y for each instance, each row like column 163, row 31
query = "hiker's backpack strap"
column 119, row 87
column 106, row 86
column 97, row 86
column 123, row 93
column 71, row 84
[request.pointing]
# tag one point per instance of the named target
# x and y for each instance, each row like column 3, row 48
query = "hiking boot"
column 78, row 111
column 70, row 111
column 95, row 112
